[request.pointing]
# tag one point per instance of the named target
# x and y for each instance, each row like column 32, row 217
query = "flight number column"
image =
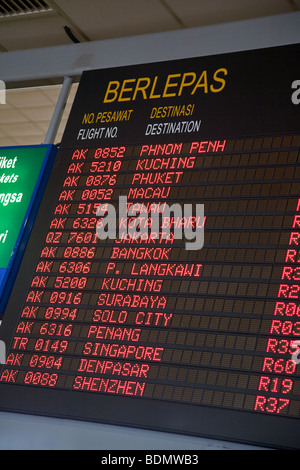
column 48, row 329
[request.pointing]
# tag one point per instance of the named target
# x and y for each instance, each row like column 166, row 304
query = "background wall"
column 33, row 432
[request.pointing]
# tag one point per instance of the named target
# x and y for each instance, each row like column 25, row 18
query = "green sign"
column 21, row 173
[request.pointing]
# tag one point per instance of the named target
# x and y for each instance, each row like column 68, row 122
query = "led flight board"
column 160, row 285
column 23, row 171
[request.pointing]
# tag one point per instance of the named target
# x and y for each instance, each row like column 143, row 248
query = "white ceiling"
column 92, row 20
column 25, row 117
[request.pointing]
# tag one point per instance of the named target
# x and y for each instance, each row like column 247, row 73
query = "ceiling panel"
column 28, row 98
column 91, row 20
column 204, row 12
column 30, row 32
column 16, row 7
column 25, row 118
column 9, row 116
column 101, row 19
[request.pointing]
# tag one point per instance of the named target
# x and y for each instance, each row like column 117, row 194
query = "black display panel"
column 116, row 319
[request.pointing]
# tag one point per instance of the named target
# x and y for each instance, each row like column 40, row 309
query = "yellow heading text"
column 174, row 85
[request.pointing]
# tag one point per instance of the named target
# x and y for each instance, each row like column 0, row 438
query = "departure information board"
column 160, row 285
column 22, row 171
